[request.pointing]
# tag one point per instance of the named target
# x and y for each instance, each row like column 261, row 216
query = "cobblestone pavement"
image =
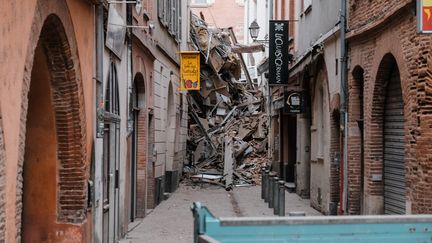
column 172, row 222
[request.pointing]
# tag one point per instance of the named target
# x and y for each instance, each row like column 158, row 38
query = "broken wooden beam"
column 239, row 48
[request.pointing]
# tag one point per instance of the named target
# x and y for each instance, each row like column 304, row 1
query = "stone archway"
column 52, row 168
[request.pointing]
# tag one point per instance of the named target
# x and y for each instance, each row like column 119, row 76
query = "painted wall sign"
column 190, row 71
column 424, row 16
column 278, row 52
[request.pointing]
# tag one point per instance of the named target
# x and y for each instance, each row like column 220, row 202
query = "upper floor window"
column 169, row 13
column 111, row 92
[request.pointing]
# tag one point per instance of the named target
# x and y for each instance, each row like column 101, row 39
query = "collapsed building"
column 227, row 140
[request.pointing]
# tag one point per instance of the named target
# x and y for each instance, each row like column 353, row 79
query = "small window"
column 111, row 93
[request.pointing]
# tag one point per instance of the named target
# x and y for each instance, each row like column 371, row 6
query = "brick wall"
column 150, row 167
column 363, row 14
column 67, row 98
column 383, row 36
column 355, row 109
column 334, row 160
column 141, row 152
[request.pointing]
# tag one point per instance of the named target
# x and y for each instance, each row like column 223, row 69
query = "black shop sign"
column 294, row 102
column 278, row 52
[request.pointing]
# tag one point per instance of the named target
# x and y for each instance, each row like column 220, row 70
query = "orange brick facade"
column 47, row 47
column 383, row 36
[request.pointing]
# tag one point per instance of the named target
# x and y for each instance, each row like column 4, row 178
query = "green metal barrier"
column 321, row 229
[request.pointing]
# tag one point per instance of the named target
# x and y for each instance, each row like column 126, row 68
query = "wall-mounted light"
column 254, row 29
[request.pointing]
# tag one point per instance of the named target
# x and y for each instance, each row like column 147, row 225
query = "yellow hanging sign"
column 190, row 70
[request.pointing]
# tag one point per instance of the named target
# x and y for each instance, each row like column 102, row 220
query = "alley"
column 172, row 220
column 117, row 115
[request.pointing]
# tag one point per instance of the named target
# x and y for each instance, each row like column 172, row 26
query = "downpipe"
column 343, row 106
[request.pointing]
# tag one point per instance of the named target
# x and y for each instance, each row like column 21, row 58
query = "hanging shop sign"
column 424, row 16
column 278, row 52
column 189, row 71
column 295, row 102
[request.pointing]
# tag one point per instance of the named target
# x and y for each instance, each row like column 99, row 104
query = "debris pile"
column 227, row 140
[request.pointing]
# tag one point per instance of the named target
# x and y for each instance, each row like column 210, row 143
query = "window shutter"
column 179, row 23
column 160, row 5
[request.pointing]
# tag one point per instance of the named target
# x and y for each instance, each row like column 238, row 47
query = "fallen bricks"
column 228, row 126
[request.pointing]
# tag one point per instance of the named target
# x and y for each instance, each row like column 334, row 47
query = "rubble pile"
column 227, row 140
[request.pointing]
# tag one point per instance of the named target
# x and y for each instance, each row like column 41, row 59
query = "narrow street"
column 172, row 220
column 117, row 115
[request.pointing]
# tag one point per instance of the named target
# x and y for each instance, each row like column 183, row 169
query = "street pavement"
column 172, row 221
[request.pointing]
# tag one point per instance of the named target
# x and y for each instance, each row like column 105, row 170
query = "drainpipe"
column 99, row 22
column 99, row 67
column 343, row 105
column 269, row 96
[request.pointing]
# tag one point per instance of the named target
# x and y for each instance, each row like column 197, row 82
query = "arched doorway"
column 111, row 158
column 54, row 195
column 388, row 121
column 394, row 146
column 139, row 149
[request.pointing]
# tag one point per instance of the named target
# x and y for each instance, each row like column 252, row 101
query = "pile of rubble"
column 227, row 143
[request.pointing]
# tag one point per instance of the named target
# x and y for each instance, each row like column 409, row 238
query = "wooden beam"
column 238, row 48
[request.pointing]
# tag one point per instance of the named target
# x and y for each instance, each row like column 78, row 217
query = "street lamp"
column 254, row 30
